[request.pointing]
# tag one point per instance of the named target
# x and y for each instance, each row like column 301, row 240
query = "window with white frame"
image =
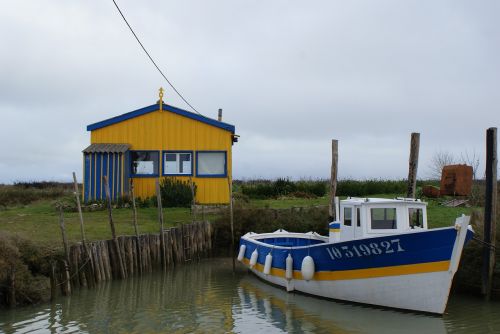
column 383, row 218
column 211, row 163
column 177, row 163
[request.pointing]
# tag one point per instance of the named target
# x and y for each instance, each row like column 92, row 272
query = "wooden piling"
column 53, row 282
column 160, row 218
column 333, row 180
column 89, row 267
column 79, row 206
column 193, row 201
column 231, row 219
column 12, row 287
column 136, row 229
column 66, row 279
column 113, row 231
column 490, row 210
column 413, row 165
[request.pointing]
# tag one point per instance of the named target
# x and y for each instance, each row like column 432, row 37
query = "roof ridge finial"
column 160, row 101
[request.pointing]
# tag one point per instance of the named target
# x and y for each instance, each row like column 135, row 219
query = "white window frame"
column 177, row 161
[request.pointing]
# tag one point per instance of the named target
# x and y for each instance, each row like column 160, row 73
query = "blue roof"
column 155, row 107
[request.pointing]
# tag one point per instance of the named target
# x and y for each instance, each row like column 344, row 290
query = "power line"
column 150, row 58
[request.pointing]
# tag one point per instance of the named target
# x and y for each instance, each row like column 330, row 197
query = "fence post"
column 413, row 165
column 490, row 209
column 160, row 218
column 136, row 228
column 112, row 225
column 333, row 180
column 193, row 202
column 79, row 206
column 82, row 229
column 231, row 219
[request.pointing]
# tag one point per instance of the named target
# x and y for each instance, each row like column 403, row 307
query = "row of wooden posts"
column 490, row 208
column 86, row 264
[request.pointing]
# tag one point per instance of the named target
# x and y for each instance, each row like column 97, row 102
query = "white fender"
column 267, row 264
column 241, row 254
column 253, row 258
column 289, row 267
column 307, row 268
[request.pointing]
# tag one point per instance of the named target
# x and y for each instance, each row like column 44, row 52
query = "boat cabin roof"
column 368, row 200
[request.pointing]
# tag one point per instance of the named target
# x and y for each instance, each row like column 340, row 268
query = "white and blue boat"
column 379, row 252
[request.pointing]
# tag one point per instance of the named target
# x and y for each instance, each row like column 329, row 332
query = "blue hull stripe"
column 412, row 248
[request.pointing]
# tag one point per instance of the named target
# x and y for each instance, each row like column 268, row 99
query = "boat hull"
column 411, row 271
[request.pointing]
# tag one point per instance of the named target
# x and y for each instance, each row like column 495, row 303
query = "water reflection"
column 207, row 297
column 300, row 313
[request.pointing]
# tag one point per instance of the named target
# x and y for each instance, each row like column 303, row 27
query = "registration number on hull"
column 368, row 249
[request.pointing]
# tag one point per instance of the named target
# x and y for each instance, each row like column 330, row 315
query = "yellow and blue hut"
column 154, row 142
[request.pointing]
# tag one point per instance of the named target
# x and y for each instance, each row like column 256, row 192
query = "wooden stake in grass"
column 490, row 212
column 82, row 229
column 413, row 165
column 160, row 219
column 231, row 219
column 79, row 206
column 333, row 180
column 112, row 225
column 134, row 208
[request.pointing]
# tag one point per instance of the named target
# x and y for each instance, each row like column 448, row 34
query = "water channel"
column 206, row 297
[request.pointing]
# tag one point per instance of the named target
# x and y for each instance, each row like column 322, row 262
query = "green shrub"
column 264, row 189
column 176, row 193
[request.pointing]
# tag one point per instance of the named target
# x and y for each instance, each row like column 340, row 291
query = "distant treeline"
column 263, row 189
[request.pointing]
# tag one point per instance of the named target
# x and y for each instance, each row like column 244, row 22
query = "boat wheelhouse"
column 379, row 252
column 368, row 217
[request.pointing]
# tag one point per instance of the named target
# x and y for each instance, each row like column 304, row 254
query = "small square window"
column 177, row 163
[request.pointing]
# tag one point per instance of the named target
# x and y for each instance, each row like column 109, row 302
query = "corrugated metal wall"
column 168, row 131
column 97, row 165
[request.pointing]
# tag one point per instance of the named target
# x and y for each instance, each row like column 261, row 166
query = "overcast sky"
column 290, row 75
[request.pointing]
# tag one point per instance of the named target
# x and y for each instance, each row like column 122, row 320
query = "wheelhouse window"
column 383, row 218
column 144, row 163
column 348, row 216
column 358, row 217
column 211, row 164
column 177, row 163
column 416, row 217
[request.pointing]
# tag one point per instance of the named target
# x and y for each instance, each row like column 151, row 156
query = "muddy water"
column 207, row 297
